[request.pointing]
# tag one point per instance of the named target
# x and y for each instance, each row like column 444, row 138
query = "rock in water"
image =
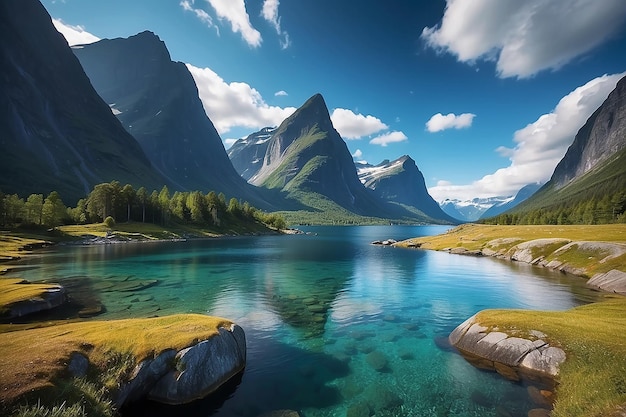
column 202, row 368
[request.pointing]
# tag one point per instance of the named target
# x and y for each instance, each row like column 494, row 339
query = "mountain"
column 305, row 154
column 470, row 210
column 157, row 101
column 401, row 182
column 56, row 132
column 523, row 194
column 307, row 165
column 247, row 154
column 589, row 184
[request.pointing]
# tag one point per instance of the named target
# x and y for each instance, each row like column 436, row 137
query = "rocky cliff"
column 603, row 135
column 56, row 133
column 157, row 101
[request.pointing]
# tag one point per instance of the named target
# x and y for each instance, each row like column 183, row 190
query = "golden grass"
column 593, row 378
column 476, row 236
column 12, row 244
column 30, row 359
column 14, row 290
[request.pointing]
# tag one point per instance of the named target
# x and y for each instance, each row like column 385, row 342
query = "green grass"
column 592, row 381
column 504, row 238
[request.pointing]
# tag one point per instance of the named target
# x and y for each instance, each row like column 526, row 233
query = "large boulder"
column 612, row 281
column 178, row 377
column 512, row 357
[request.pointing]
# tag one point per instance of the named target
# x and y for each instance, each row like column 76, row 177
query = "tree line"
column 125, row 204
column 610, row 208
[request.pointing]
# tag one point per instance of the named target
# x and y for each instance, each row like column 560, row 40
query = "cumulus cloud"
column 358, row 154
column 234, row 11
column 229, row 142
column 354, row 126
column 390, row 137
column 234, row 104
column 270, row 13
column 281, row 93
column 538, row 147
column 524, row 37
column 74, row 35
column 440, row 122
column 188, row 5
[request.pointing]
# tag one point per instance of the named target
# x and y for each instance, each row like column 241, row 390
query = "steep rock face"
column 157, row 101
column 603, row 135
column 56, row 133
column 306, row 154
column 247, row 154
column 401, row 181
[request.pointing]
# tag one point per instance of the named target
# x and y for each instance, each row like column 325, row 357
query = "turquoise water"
column 335, row 326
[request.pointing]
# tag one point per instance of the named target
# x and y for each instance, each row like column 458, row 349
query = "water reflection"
column 333, row 323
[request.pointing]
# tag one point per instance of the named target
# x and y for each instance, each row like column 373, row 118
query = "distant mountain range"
column 307, row 162
column 144, row 124
column 523, row 194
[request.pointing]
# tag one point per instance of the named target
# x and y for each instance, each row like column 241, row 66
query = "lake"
column 335, row 326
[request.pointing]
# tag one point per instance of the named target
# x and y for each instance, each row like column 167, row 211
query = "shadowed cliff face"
column 157, row 101
column 56, row 133
column 603, row 135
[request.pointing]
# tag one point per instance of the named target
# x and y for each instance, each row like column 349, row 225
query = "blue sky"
column 485, row 95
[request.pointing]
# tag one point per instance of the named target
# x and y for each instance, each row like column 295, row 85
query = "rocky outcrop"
column 192, row 373
column 512, row 357
column 554, row 253
column 612, row 281
column 49, row 298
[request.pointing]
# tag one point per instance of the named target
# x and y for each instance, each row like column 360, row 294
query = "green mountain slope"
column 589, row 184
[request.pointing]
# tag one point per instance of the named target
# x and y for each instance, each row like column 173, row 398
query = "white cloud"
column 524, row 37
column 74, row 35
column 539, row 146
column 387, row 138
column 200, row 14
column 358, row 154
column 354, row 126
column 270, row 13
column 229, row 142
column 281, row 93
column 235, row 104
column 440, row 122
column 235, row 12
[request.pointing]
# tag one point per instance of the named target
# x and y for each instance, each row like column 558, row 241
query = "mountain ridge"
column 57, row 133
column 157, row 101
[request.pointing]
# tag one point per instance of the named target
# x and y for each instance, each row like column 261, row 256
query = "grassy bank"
column 33, row 361
column 18, row 242
column 592, row 381
column 475, row 237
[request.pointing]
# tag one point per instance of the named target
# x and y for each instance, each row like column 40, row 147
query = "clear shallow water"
column 334, row 324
